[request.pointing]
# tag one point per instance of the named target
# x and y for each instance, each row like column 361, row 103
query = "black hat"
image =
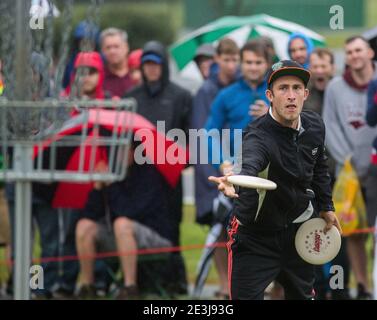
column 287, row 68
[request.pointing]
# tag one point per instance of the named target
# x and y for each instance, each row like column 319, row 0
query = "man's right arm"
column 253, row 160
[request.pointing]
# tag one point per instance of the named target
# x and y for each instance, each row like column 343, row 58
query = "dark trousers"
column 258, row 257
column 47, row 220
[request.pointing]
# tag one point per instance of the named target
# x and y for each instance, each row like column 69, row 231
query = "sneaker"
column 87, row 292
column 362, row 293
column 127, row 293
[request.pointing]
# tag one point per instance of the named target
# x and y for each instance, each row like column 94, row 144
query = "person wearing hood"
column 87, row 83
column 87, row 78
column 347, row 135
column 85, row 38
column 299, row 48
column 159, row 99
column 204, row 57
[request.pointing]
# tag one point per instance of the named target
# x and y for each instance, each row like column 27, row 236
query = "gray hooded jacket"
column 347, row 133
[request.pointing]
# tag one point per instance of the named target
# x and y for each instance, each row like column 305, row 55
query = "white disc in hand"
column 252, row 182
column 313, row 245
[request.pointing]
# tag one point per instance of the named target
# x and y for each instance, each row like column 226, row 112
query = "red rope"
column 119, row 254
column 146, row 251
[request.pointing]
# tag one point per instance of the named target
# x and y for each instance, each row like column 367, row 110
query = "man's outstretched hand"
column 224, row 186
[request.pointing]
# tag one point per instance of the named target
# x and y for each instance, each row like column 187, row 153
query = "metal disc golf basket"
column 29, row 126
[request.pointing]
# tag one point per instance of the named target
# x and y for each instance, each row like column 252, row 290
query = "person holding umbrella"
column 287, row 147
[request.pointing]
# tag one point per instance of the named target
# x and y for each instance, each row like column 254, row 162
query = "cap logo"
column 277, row 65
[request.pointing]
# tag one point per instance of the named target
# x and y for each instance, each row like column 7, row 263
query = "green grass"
column 191, row 234
column 194, row 234
column 3, row 267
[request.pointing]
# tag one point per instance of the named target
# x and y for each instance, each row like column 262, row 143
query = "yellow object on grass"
column 348, row 200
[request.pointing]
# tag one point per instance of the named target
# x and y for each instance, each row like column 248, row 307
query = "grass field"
column 191, row 234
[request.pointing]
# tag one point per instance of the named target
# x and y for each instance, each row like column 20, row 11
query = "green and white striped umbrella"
column 240, row 29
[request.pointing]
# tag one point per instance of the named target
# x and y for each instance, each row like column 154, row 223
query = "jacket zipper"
column 295, row 142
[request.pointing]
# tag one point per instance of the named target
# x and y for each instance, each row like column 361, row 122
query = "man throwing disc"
column 287, row 147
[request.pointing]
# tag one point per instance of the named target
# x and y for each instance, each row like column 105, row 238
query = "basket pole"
column 22, row 163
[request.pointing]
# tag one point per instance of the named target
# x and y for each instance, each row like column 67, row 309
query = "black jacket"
column 295, row 161
column 168, row 102
column 164, row 100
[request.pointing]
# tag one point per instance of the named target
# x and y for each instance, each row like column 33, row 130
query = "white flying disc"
column 313, row 245
column 252, row 182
